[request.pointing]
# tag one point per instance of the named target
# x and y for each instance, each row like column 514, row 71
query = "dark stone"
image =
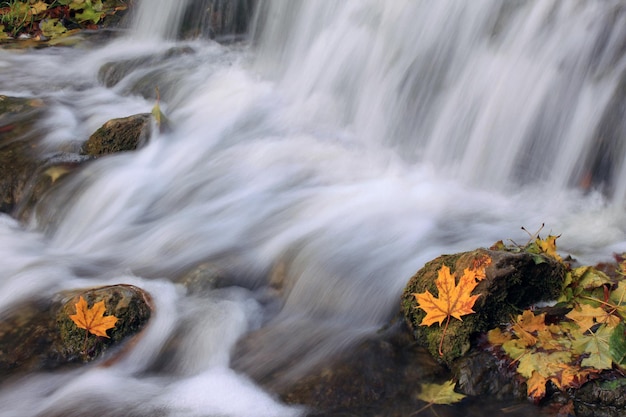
column 380, row 376
column 601, row 399
column 119, row 135
column 111, row 73
column 39, row 335
column 479, row 373
column 20, row 150
column 514, row 281
column 203, row 279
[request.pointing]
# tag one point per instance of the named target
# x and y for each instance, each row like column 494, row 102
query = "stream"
column 346, row 142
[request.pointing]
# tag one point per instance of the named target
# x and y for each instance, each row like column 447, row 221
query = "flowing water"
column 349, row 142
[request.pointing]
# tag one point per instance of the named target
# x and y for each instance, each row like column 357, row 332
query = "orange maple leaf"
column 93, row 319
column 454, row 300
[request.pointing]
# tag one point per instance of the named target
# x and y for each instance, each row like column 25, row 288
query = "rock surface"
column 379, row 376
column 119, row 135
column 29, row 169
column 39, row 335
column 20, row 154
column 514, row 281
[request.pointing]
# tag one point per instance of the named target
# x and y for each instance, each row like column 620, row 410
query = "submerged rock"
column 29, row 168
column 39, row 335
column 514, row 281
column 379, row 376
column 20, row 154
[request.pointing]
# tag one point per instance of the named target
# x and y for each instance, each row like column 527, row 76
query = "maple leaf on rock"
column 453, row 300
column 93, row 319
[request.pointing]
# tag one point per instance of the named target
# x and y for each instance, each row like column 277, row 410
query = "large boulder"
column 513, row 281
column 40, row 335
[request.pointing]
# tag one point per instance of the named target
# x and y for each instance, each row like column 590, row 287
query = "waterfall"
column 168, row 19
column 496, row 93
column 317, row 165
column 158, row 19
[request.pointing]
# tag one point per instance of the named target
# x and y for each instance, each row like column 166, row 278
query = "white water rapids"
column 351, row 141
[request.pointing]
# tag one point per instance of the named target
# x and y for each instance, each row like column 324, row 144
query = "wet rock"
column 28, row 169
column 601, row 399
column 111, row 73
column 119, row 135
column 380, row 376
column 20, row 153
column 514, row 281
column 203, row 279
column 479, row 373
column 39, row 335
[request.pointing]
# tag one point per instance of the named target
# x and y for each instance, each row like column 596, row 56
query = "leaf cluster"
column 586, row 341
column 535, row 246
column 49, row 19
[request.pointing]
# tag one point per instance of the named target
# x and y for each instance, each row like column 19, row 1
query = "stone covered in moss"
column 39, row 334
column 128, row 303
column 119, row 135
column 514, row 281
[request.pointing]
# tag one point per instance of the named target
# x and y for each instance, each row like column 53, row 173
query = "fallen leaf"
column 597, row 345
column 548, row 246
column 93, row 319
column 453, row 300
column 536, row 386
column 440, row 393
column 586, row 316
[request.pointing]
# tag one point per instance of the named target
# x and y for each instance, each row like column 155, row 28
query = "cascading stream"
column 318, row 166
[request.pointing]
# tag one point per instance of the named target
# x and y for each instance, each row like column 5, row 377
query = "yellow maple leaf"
column 587, row 316
column 454, row 300
column 38, row 7
column 440, row 393
column 93, row 319
column 536, row 386
column 548, row 246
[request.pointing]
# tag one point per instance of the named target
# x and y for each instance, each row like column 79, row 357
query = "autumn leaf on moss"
column 93, row 319
column 454, row 300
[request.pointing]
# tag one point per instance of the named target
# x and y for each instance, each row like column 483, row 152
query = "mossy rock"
column 129, row 304
column 513, row 282
column 39, row 335
column 119, row 135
